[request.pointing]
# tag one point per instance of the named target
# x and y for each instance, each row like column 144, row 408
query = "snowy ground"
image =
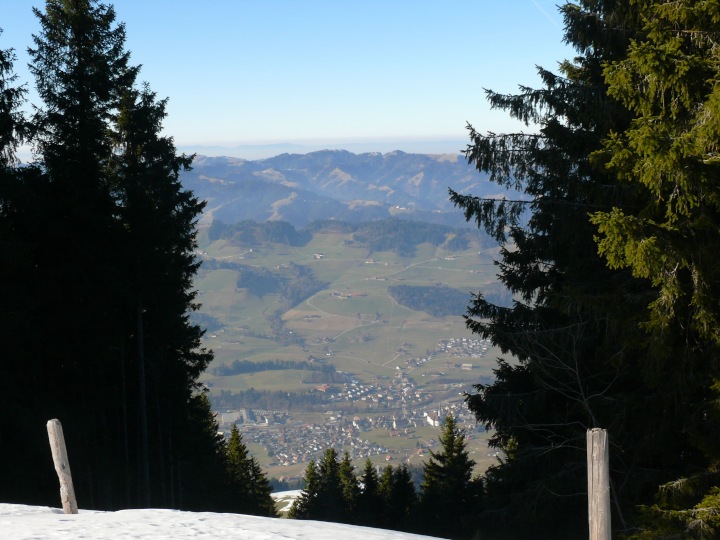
column 285, row 499
column 20, row 522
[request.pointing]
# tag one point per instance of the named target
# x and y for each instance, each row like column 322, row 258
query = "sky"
column 19, row 522
column 252, row 72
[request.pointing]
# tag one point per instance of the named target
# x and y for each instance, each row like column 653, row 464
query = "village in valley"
column 389, row 421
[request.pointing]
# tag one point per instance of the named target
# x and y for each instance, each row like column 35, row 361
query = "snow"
column 285, row 499
column 21, row 522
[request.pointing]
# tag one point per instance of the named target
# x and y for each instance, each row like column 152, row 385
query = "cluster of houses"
column 290, row 441
column 395, row 404
column 401, row 392
column 464, row 347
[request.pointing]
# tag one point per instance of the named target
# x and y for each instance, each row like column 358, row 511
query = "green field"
column 353, row 323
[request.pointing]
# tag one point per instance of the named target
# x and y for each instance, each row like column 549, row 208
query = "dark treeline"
column 293, row 283
column 437, row 300
column 444, row 505
column 258, row 281
column 98, row 237
column 248, row 366
column 268, row 400
column 300, row 285
column 402, row 237
column 252, row 233
column 396, row 235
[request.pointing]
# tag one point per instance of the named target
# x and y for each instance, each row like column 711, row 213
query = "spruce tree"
column 105, row 267
column 668, row 81
column 582, row 353
column 369, row 504
column 264, row 504
column 449, row 497
column 238, row 471
column 330, row 504
column 305, row 506
column 330, row 492
column 16, row 203
column 349, row 488
column 250, row 489
column 158, row 244
column 403, row 500
column 79, row 68
column 12, row 97
column 398, row 499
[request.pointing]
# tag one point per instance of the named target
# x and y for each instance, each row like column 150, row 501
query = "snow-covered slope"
column 20, row 522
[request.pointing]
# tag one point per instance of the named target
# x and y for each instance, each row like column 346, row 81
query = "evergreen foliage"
column 268, row 400
column 99, row 287
column 304, row 507
column 333, row 493
column 625, row 136
column 450, row 497
column 250, row 488
column 400, row 236
column 349, row 488
column 326, row 489
column 437, row 300
column 668, row 81
column 399, row 499
column 252, row 233
column 330, row 505
column 369, row 501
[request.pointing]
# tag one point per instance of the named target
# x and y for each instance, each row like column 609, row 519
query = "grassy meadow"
column 353, row 323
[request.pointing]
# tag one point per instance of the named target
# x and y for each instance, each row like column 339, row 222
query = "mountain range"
column 336, row 184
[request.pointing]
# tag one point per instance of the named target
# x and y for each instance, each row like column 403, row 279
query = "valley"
column 352, row 367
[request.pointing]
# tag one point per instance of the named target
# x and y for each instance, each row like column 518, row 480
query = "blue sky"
column 326, row 71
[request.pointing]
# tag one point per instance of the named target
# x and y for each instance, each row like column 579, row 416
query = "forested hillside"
column 394, row 235
column 438, row 301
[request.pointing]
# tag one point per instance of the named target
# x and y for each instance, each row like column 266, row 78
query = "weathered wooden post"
column 598, row 484
column 62, row 466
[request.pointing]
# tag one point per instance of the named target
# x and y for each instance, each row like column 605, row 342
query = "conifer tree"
column 449, row 497
column 15, row 266
column 668, row 81
column 403, row 501
column 11, row 119
column 80, row 67
column 158, row 244
column 106, row 344
column 330, row 504
column 331, row 491
column 369, row 501
column 398, row 499
column 305, row 506
column 584, row 355
column 250, row 489
column 349, row 488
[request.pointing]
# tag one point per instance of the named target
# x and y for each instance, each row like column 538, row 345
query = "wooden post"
column 62, row 466
column 598, row 484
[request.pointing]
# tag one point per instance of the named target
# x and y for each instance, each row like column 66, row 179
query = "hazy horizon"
column 266, row 149
column 324, row 73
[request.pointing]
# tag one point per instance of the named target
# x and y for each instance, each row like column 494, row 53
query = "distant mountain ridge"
column 336, row 184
